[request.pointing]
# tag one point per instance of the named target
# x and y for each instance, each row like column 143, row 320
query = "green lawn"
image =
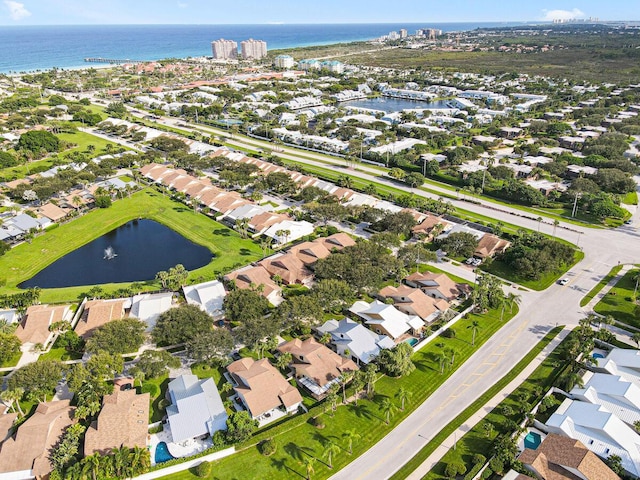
column 59, row 353
column 428, row 449
column 545, row 281
column 83, row 140
column 230, row 251
column 296, row 438
column 12, row 362
column 618, row 303
column 157, row 388
column 530, row 392
column 595, row 290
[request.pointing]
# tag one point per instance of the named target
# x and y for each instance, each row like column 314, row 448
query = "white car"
column 564, row 281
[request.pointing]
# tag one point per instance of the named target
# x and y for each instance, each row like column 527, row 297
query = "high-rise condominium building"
column 253, row 49
column 224, row 49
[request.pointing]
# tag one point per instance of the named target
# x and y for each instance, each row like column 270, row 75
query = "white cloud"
column 551, row 15
column 183, row 5
column 17, row 10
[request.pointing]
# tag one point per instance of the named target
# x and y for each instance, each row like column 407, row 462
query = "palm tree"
column 636, row 338
column 555, row 225
column 345, row 378
column 442, row 358
column 358, row 384
column 120, row 460
column 308, row 464
column 13, row 396
column 387, row 408
column 5, row 326
column 325, row 338
column 474, row 329
column 330, row 451
column 139, row 376
column 539, row 220
column 92, row 464
column 513, row 299
column 403, row 394
column 283, row 360
column 351, row 435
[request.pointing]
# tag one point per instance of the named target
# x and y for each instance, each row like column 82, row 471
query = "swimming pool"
column 162, row 453
column 411, row 341
column 597, row 355
column 532, row 440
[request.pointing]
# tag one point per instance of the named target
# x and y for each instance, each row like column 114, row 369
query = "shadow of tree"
column 281, row 465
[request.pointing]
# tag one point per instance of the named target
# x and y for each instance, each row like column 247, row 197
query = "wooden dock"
column 112, row 61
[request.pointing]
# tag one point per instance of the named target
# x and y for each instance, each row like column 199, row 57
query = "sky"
column 83, row 12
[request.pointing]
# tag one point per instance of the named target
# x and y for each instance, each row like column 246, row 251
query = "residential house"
column 149, row 306
column 490, row 245
column 26, row 454
column 263, row 391
column 431, row 227
column 34, row 328
column 97, row 313
column 52, row 212
column 256, row 277
column 208, row 296
column 437, row 285
column 614, row 392
column 316, row 367
column 337, row 241
column 9, row 315
column 196, row 408
column 563, row 458
column 414, row 302
column 599, row 430
column 6, row 423
column 123, row 421
column 288, row 268
column 289, row 231
column 353, row 340
column 388, row 320
column 620, row 361
column 309, row 252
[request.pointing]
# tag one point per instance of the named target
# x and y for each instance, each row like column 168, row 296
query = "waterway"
column 142, row 248
column 388, row 104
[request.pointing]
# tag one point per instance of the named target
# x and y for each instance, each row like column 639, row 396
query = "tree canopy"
column 242, row 304
column 118, row 336
column 38, row 379
column 39, row 140
column 179, row 325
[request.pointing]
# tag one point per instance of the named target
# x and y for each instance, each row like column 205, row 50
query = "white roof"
column 208, row 296
column 457, row 228
column 359, row 340
column 196, row 408
column 599, row 430
column 10, row 315
column 149, row 306
column 296, row 230
column 614, row 392
column 387, row 316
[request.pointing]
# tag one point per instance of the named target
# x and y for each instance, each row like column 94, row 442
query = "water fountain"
column 109, row 253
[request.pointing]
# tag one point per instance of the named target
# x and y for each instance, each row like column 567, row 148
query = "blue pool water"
column 411, row 341
column 162, row 453
column 532, row 440
column 597, row 355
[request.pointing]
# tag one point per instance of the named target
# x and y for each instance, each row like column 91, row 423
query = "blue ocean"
column 29, row 48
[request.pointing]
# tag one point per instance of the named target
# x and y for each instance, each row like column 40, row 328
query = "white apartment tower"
column 253, row 49
column 224, row 49
column 403, row 33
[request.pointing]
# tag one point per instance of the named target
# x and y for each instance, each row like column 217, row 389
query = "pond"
column 389, row 105
column 136, row 251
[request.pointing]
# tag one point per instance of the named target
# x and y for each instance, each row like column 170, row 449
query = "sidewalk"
column 475, row 418
column 187, row 465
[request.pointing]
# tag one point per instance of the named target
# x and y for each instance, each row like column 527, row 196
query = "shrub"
column 454, row 469
column 150, row 388
column 268, row 447
column 203, row 469
column 449, row 333
column 318, row 422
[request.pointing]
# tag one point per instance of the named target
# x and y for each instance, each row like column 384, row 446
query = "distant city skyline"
column 82, row 12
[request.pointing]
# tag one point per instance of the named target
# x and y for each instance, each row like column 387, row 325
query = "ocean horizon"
column 33, row 48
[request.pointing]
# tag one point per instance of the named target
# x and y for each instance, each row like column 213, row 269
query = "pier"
column 112, row 61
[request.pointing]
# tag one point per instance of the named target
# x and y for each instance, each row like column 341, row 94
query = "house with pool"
column 388, row 320
column 353, row 340
column 196, row 409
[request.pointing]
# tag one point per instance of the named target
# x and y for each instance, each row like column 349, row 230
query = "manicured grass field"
column 297, row 439
column 428, row 449
column 230, row 251
column 630, row 198
column 157, row 388
column 545, row 281
column 595, row 290
column 83, row 140
column 618, row 302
